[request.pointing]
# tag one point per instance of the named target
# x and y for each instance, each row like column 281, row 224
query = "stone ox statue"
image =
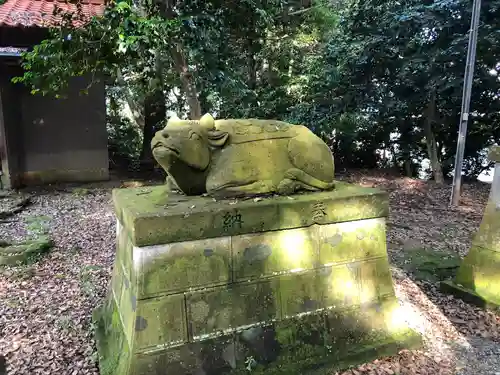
column 242, row 157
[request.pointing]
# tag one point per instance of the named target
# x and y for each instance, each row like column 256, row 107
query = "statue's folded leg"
column 254, row 188
column 302, row 180
column 288, row 186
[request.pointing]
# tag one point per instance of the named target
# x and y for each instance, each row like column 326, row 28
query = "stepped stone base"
column 478, row 278
column 282, row 285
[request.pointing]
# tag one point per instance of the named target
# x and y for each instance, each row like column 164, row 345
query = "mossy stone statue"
column 242, row 157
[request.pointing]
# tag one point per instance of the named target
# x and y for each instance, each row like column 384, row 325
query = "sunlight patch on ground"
column 423, row 316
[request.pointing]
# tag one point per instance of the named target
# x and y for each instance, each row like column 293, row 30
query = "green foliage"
column 390, row 59
column 87, row 280
column 124, row 140
column 38, row 225
column 119, row 38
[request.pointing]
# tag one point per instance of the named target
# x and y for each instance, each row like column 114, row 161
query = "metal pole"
column 464, row 114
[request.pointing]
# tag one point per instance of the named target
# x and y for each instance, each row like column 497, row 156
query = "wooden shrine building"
column 42, row 139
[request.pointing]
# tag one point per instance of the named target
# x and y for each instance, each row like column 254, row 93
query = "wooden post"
column 4, row 157
column 10, row 146
column 466, row 97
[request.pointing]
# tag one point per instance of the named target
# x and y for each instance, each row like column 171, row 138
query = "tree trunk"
column 405, row 141
column 187, row 81
column 204, row 104
column 430, row 140
column 166, row 9
column 407, row 168
column 154, row 108
column 155, row 113
column 251, row 63
column 135, row 107
column 147, row 160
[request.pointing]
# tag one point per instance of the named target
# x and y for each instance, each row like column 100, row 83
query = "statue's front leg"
column 254, row 188
column 172, row 185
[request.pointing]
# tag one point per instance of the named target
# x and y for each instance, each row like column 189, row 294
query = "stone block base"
column 257, row 286
column 316, row 343
column 467, row 295
column 478, row 278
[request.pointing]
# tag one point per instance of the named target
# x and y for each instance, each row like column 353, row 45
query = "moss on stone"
column 128, row 307
column 300, row 293
column 375, row 279
column 241, row 295
column 112, row 347
column 303, row 339
column 14, row 254
column 216, row 309
column 428, row 265
column 151, row 216
column 124, row 251
column 322, row 343
column 180, row 266
column 353, row 240
column 479, row 272
column 117, row 283
column 354, row 283
column 245, row 157
column 211, row 356
column 494, row 154
column 160, row 321
column 488, row 234
column 264, row 254
column 478, row 277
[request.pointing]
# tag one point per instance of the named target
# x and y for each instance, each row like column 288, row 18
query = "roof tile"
column 39, row 13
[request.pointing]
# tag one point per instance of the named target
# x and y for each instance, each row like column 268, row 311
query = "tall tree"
column 405, row 60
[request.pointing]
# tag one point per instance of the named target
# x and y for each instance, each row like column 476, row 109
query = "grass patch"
column 30, row 250
column 80, row 192
column 87, row 284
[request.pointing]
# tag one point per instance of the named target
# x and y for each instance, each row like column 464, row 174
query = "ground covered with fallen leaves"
column 46, row 306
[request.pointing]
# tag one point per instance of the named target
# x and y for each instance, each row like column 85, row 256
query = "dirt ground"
column 46, row 306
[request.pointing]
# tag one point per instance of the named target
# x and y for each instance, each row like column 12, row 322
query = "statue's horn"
column 173, row 120
column 207, row 121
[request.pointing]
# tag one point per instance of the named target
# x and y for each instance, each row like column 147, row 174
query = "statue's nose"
column 164, row 133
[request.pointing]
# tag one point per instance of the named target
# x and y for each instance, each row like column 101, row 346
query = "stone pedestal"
column 279, row 285
column 478, row 278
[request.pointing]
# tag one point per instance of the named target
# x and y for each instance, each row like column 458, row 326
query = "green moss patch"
column 478, row 278
column 494, row 154
column 428, row 265
column 111, row 343
column 216, row 309
column 180, row 266
column 20, row 253
column 321, row 343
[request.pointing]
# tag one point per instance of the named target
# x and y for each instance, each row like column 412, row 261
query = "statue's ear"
column 217, row 138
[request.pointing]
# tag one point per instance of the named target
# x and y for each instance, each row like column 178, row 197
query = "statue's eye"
column 193, row 135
